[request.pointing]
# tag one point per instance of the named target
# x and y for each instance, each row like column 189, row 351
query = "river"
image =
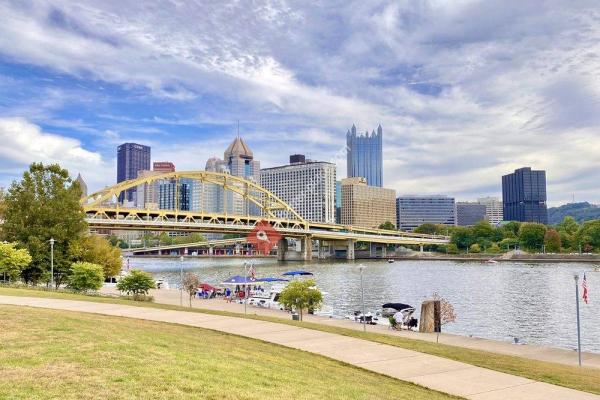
column 532, row 302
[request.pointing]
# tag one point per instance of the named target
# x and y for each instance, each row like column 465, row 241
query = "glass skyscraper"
column 524, row 196
column 364, row 156
column 414, row 211
column 131, row 158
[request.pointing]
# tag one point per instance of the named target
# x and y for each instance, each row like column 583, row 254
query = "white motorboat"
column 161, row 283
column 267, row 298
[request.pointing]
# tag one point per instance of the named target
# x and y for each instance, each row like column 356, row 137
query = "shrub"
column 86, row 276
column 299, row 295
column 451, row 249
column 136, row 283
column 475, row 248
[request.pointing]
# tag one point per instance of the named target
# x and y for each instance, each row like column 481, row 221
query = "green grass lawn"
column 66, row 355
column 585, row 379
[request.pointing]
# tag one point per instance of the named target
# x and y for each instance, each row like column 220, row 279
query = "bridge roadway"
column 114, row 218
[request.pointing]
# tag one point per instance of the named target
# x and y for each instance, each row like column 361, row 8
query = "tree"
column 428, row 229
column 511, row 229
column 451, row 248
column 137, row 283
column 44, row 205
column 447, row 314
column 190, row 284
column 86, row 276
column 508, row 243
column 494, row 248
column 12, row 260
column 589, row 235
column 301, row 294
column 552, row 241
column 97, row 250
column 531, row 235
column 387, row 225
column 462, row 237
column 2, row 204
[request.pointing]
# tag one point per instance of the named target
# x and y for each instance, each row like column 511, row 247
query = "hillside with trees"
column 580, row 212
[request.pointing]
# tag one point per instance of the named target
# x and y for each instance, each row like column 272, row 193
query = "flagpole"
column 578, row 323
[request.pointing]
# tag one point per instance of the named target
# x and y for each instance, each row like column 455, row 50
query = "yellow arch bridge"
column 249, row 203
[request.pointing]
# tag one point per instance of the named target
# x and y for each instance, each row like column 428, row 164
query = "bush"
column 475, row 248
column 494, row 248
column 299, row 295
column 137, row 283
column 451, row 249
column 86, row 276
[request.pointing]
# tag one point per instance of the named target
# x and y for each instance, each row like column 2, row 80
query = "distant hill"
column 580, row 211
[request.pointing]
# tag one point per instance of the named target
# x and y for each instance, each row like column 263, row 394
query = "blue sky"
column 465, row 90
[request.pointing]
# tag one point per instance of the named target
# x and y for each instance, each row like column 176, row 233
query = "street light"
column 52, row 262
column 181, row 281
column 246, row 268
column 361, row 267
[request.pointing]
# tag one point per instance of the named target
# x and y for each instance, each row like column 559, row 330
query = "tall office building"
column 240, row 162
column 413, row 211
column 366, row 206
column 338, row 202
column 468, row 214
column 364, row 156
column 212, row 194
column 524, row 196
column 493, row 209
column 131, row 158
column 307, row 186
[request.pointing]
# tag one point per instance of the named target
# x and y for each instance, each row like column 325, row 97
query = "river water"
column 532, row 302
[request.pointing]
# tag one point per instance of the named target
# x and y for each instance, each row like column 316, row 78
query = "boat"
column 266, row 298
column 390, row 261
column 492, row 261
column 161, row 283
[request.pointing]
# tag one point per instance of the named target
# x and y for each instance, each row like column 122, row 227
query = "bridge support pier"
column 421, row 247
column 321, row 250
column 306, row 244
column 211, row 250
column 282, row 248
column 350, row 250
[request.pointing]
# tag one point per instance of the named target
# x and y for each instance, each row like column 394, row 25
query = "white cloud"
column 24, row 142
column 466, row 91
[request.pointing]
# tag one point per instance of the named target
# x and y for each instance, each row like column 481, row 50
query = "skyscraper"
column 364, row 156
column 131, row 158
column 366, row 206
column 307, row 186
column 493, row 209
column 82, row 185
column 240, row 161
column 468, row 214
column 524, row 196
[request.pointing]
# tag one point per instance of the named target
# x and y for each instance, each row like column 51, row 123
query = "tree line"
column 565, row 237
column 44, row 205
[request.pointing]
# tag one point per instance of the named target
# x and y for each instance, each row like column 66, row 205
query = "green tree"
column 137, row 283
column 190, row 284
column 301, row 294
column 508, row 243
column 494, row 248
column 451, row 248
column 589, row 235
column 428, row 229
column 86, row 276
column 552, row 241
column 462, row 237
column 2, row 206
column 97, row 250
column 12, row 260
column 531, row 235
column 511, row 229
column 44, row 205
column 387, row 225
column 569, row 225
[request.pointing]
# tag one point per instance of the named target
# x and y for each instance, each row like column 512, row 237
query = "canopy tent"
column 296, row 273
column 206, row 287
column 269, row 279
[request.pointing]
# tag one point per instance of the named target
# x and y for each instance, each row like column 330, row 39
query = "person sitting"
column 399, row 318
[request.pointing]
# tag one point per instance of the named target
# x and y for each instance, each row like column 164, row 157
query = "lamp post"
column 361, row 267
column 52, row 262
column 181, row 281
column 246, row 282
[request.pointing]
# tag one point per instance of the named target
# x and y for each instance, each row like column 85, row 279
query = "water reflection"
column 535, row 303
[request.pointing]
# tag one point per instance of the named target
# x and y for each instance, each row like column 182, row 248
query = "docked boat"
column 390, row 261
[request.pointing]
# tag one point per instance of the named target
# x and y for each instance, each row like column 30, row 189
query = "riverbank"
column 586, row 378
column 484, row 257
column 540, row 353
column 433, row 372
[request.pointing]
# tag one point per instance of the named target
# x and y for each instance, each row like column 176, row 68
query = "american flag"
column 585, row 289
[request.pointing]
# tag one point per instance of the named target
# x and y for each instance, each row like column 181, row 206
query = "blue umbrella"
column 238, row 280
column 299, row 272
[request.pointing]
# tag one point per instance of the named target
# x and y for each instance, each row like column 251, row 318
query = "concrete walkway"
column 535, row 352
column 433, row 372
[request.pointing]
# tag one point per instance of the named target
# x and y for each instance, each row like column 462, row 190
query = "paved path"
column 430, row 371
column 536, row 352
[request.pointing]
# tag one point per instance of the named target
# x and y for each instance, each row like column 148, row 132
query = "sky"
column 466, row 91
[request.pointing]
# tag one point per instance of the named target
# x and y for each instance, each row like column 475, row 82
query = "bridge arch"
column 250, row 191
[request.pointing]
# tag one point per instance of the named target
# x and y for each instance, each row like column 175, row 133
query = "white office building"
column 493, row 209
column 307, row 186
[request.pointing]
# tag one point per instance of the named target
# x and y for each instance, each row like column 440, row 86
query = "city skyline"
column 434, row 75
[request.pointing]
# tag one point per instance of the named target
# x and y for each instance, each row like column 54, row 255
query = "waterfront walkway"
column 430, row 371
column 535, row 352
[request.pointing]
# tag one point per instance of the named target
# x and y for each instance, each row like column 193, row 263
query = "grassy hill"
column 580, row 211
